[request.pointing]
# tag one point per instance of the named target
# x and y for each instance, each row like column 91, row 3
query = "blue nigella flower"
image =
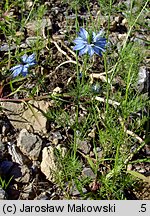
column 23, row 68
column 90, row 43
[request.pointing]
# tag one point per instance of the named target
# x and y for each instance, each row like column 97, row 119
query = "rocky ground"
column 29, row 141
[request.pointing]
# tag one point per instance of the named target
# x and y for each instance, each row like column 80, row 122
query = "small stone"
column 138, row 167
column 19, row 34
column 49, row 164
column 147, row 149
column 55, row 141
column 92, row 133
column 142, row 170
column 92, row 154
column 129, row 167
column 13, row 112
column 124, row 22
column 99, row 152
column 35, row 117
column 122, row 37
column 57, row 90
column 7, row 47
column 88, row 172
column 142, row 75
column 29, row 4
column 84, row 146
column 142, row 78
column 29, row 144
column 75, row 192
column 42, row 196
column 2, row 194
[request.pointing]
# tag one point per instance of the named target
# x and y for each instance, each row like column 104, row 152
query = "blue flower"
column 90, row 43
column 23, row 68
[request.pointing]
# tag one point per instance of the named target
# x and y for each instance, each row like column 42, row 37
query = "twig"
column 60, row 50
column 111, row 102
column 73, row 53
column 130, row 132
column 98, row 76
column 66, row 62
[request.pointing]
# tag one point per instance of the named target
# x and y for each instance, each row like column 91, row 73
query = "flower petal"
column 31, row 58
column 24, row 58
column 16, row 67
column 30, row 64
column 83, row 34
column 101, row 48
column 25, row 70
column 98, row 50
column 100, row 44
column 101, row 40
column 84, row 50
column 90, row 50
column 79, row 46
column 79, row 40
column 16, row 70
column 98, row 36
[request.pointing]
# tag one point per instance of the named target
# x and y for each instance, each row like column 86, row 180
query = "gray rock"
column 142, row 77
column 99, row 152
column 16, row 154
column 29, row 144
column 49, row 164
column 129, row 167
column 29, row 4
column 84, row 146
column 88, row 172
column 42, row 196
column 6, row 47
column 29, row 117
column 142, row 170
column 147, row 149
column 75, row 192
column 2, row 194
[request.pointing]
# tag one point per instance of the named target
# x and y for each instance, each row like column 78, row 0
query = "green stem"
column 110, row 8
column 108, row 85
